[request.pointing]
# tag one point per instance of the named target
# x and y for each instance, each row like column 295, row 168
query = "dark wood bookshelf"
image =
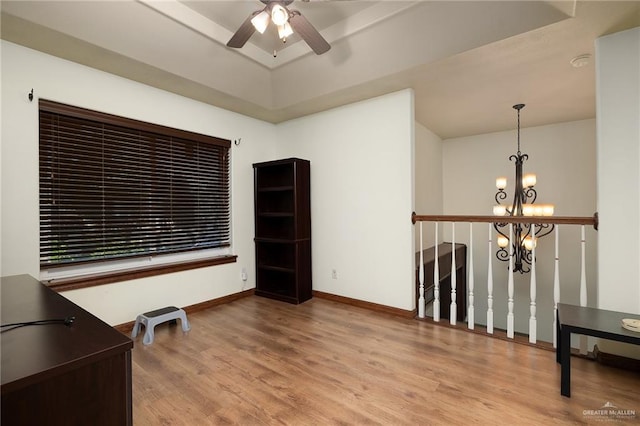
column 283, row 229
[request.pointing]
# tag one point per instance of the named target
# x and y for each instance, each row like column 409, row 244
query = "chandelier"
column 523, row 237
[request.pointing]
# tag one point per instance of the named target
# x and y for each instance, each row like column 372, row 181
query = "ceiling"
column 468, row 62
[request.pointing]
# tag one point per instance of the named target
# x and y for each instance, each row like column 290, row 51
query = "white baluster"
column 436, row 282
column 453, row 308
column 583, row 289
column 532, row 306
column 510, row 319
column 490, row 285
column 556, row 290
column 583, row 272
column 470, row 313
column 421, row 279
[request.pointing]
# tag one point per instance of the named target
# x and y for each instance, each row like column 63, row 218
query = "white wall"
column 361, row 158
column 563, row 158
column 428, row 185
column 618, row 112
column 361, row 196
column 62, row 81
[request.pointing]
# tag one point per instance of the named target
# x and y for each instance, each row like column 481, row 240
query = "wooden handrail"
column 556, row 220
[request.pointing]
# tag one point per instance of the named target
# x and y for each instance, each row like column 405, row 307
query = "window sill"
column 65, row 284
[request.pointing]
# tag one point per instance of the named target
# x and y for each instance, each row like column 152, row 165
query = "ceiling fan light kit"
column 279, row 15
column 287, row 21
column 261, row 21
column 284, row 31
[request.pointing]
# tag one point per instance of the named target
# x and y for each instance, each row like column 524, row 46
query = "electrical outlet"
column 243, row 274
column 334, row 274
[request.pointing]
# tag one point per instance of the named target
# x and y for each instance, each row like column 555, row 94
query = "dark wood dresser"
column 444, row 268
column 57, row 374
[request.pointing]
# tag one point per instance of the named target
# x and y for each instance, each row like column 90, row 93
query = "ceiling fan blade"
column 243, row 33
column 308, row 33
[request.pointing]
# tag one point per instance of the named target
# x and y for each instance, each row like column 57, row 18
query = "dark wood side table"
column 444, row 269
column 589, row 322
column 56, row 374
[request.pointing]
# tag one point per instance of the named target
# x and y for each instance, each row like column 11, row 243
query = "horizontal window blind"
column 113, row 188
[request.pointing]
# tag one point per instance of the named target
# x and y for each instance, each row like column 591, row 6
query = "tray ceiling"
column 467, row 62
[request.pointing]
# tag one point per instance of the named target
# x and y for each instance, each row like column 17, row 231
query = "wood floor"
column 259, row 361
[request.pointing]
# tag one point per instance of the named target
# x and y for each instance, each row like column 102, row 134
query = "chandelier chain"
column 518, row 107
column 518, row 132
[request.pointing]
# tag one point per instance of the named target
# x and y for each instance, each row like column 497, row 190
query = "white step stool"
column 153, row 318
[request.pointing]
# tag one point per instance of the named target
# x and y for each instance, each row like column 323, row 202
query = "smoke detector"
column 580, row 60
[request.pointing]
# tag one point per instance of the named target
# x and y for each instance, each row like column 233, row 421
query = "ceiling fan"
column 286, row 20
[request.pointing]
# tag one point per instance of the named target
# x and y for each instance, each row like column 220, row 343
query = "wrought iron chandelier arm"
column 502, row 254
column 525, row 231
column 543, row 229
column 530, row 193
column 527, row 258
column 497, row 226
column 500, row 195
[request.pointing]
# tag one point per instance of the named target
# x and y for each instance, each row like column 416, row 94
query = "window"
column 115, row 189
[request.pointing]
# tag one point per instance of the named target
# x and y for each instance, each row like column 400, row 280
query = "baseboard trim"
column 127, row 327
column 603, row 358
column 611, row 360
column 618, row 361
column 366, row 305
column 498, row 333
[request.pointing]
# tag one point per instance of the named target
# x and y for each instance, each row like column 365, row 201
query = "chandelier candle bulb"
column 502, row 241
column 501, row 182
column 499, row 210
column 547, row 210
column 529, row 210
column 529, row 243
column 529, row 180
